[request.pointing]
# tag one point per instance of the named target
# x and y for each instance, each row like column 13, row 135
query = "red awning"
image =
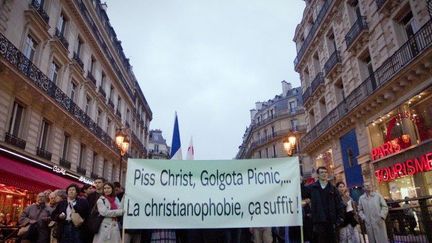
column 29, row 177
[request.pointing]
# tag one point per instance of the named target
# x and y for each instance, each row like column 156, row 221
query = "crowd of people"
column 93, row 214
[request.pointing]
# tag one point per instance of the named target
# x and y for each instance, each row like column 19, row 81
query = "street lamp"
column 290, row 145
column 122, row 142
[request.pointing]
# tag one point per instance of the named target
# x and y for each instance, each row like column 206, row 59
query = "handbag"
column 94, row 221
column 23, row 230
column 77, row 220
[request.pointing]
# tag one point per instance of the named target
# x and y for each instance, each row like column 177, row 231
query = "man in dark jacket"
column 38, row 215
column 327, row 208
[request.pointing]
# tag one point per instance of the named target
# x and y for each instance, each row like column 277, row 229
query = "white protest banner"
column 212, row 194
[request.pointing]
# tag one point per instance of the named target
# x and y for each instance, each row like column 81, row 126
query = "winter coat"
column 373, row 210
column 41, row 214
column 81, row 207
column 109, row 230
column 336, row 208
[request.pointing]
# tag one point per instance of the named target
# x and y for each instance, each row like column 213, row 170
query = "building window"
column 30, row 47
column 66, row 141
column 92, row 65
column 274, row 151
column 409, row 24
column 156, row 147
column 73, row 91
column 111, row 96
column 292, row 106
column 98, row 116
column 43, row 138
column 94, row 162
column 119, row 103
column 53, row 72
column 108, row 126
column 294, row 124
column 16, row 119
column 339, row 91
column 267, row 153
column 273, row 131
column 127, row 115
column 103, row 81
column 80, row 44
column 104, row 165
column 323, row 107
column 260, row 154
column 61, row 24
column 87, row 105
column 81, row 156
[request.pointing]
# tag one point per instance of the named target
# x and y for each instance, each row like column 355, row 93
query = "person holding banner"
column 110, row 208
column 327, row 208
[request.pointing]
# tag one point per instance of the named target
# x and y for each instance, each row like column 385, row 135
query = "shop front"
column 22, row 177
column 402, row 149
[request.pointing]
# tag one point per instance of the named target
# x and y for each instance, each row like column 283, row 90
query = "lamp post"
column 122, row 142
column 290, row 146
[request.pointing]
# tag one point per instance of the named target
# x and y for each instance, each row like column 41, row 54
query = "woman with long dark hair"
column 110, row 208
column 347, row 232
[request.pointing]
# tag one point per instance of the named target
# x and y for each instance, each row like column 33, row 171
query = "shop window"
column 44, row 133
column 16, row 119
column 403, row 127
column 325, row 159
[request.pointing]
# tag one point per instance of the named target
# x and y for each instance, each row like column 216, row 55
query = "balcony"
column 312, row 32
column 333, row 65
column 357, row 36
column 59, row 35
column 43, row 153
column 23, row 66
column 91, row 78
column 405, row 55
column 76, row 58
column 15, row 141
column 64, row 163
column 81, row 170
column 37, row 7
column 102, row 92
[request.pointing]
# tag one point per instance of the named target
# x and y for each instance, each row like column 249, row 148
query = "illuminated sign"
column 387, row 148
column 86, row 180
column 59, row 170
column 408, row 167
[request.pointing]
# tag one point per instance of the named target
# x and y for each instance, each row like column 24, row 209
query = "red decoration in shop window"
column 387, row 148
column 408, row 167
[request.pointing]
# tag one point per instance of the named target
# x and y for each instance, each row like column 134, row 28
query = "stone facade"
column 66, row 86
column 272, row 122
column 357, row 60
column 157, row 146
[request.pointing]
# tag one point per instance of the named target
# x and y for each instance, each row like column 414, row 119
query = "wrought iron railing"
column 36, row 5
column 356, row 30
column 14, row 140
column 390, row 68
column 312, row 32
column 64, row 163
column 429, row 3
column 23, row 65
column 78, row 60
column 61, row 38
column 43, row 153
column 331, row 62
column 318, row 81
column 410, row 220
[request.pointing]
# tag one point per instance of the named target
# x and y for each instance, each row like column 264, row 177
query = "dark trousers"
column 324, row 233
column 70, row 234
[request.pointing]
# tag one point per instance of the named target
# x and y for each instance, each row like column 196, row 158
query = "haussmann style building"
column 65, row 87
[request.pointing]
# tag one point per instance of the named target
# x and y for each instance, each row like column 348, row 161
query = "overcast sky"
column 209, row 60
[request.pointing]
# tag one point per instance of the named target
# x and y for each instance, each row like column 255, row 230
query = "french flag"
column 176, row 152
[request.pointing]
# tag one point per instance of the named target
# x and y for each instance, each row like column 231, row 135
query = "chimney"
column 258, row 105
column 253, row 113
column 285, row 87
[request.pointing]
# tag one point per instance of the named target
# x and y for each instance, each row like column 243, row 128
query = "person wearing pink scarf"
column 109, row 207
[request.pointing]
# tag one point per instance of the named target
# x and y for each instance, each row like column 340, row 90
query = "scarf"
column 111, row 200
